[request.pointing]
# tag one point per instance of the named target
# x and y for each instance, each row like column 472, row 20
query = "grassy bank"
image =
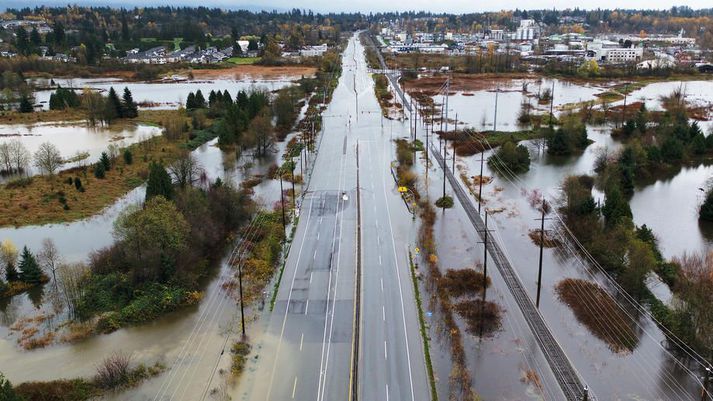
column 423, row 329
column 38, row 200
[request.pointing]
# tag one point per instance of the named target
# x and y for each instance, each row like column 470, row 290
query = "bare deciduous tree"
column 5, row 162
column 14, row 157
column 72, row 278
column 49, row 258
column 113, row 151
column 94, row 104
column 185, row 171
column 19, row 155
column 47, row 158
column 696, row 291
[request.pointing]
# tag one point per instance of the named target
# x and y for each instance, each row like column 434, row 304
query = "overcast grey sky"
column 462, row 6
column 451, row 6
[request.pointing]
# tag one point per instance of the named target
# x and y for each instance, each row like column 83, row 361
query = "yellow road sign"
column 403, row 189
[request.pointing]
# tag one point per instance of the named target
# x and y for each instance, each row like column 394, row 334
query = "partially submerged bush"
column 113, row 371
column 482, row 317
column 445, row 202
column 240, row 351
column 464, row 282
column 599, row 312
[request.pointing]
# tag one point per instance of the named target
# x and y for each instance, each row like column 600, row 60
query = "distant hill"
column 135, row 3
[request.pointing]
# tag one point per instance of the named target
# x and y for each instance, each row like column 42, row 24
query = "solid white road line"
column 287, row 307
column 324, row 361
column 401, row 293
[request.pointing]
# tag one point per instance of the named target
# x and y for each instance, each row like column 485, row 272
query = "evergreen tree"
column 227, row 100
column 6, row 391
column 159, row 182
column 78, row 184
column 30, row 269
column 242, row 100
column 694, row 130
column 212, row 99
column 35, row 37
column 124, row 27
column 25, row 104
column 99, row 170
column 129, row 107
column 616, row 209
column 63, row 98
column 200, row 100
column 21, row 42
column 115, row 103
column 58, row 33
column 557, row 143
column 191, row 101
column 698, row 144
column 105, row 161
column 671, row 150
column 128, row 156
column 11, row 273
column 706, row 210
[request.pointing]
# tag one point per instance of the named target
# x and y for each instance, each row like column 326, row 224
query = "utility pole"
column 480, row 187
column 485, row 251
column 301, row 167
column 441, row 117
column 485, row 270
column 240, row 285
column 292, row 174
column 495, row 116
column 453, row 144
column 282, row 202
column 552, row 103
column 448, row 92
column 623, row 111
column 445, row 166
column 542, row 244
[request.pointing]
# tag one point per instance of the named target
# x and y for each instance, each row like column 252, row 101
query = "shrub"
column 128, row 156
column 113, row 371
column 19, row 183
column 240, row 351
column 445, row 202
column 464, row 282
column 78, row 184
column 99, row 171
column 57, row 390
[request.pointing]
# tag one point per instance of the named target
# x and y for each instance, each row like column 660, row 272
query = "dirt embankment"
column 255, row 71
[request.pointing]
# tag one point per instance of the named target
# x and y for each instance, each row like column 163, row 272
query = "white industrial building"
column 528, row 30
column 611, row 52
